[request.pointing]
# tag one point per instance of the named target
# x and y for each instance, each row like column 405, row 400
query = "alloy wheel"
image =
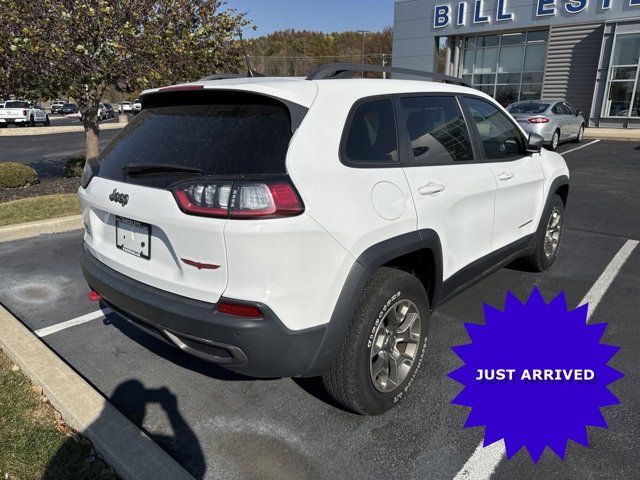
column 552, row 233
column 395, row 346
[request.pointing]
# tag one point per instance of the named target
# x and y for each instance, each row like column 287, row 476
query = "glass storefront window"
column 622, row 88
column 508, row 67
column 535, row 57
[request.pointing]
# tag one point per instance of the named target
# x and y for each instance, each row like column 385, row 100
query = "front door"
column 518, row 174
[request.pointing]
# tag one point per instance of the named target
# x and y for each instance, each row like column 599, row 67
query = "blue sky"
column 322, row 15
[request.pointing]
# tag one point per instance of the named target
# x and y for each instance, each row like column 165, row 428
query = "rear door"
column 199, row 142
column 454, row 195
column 518, row 174
column 571, row 121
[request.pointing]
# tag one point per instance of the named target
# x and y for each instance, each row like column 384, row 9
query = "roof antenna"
column 250, row 72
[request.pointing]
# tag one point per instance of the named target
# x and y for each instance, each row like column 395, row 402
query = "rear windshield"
column 16, row 105
column 532, row 107
column 222, row 134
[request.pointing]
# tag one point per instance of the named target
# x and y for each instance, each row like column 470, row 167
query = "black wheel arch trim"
column 375, row 256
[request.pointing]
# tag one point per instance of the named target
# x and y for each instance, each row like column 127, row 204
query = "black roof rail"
column 225, row 76
column 349, row 70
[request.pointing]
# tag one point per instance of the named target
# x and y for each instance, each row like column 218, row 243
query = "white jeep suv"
column 308, row 227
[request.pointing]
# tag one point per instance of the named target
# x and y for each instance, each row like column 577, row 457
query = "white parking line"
column 43, row 332
column 597, row 291
column 484, row 461
column 578, row 148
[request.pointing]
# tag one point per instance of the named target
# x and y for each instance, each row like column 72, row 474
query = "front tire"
column 47, row 122
column 384, row 347
column 32, row 122
column 580, row 135
column 548, row 236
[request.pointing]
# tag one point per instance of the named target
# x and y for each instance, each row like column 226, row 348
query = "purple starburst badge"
column 535, row 375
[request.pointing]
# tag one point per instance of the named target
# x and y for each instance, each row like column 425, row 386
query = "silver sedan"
column 555, row 120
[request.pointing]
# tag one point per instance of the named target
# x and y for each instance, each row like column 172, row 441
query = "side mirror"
column 534, row 143
column 578, row 113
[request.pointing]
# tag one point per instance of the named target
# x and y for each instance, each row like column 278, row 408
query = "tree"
column 79, row 48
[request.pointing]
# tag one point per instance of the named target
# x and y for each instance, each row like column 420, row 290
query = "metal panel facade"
column 572, row 62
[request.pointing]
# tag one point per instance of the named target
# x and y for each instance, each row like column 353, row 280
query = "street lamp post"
column 363, row 32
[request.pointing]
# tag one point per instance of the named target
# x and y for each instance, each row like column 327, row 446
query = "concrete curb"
column 52, row 130
column 128, row 450
column 40, row 227
column 622, row 134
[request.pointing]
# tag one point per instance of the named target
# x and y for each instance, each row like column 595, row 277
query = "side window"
column 436, row 130
column 371, row 134
column 500, row 138
column 568, row 109
column 557, row 109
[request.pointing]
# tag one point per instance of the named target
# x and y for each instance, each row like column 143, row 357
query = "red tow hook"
column 94, row 296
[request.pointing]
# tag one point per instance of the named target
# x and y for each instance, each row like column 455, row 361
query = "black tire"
column 32, row 122
column 349, row 380
column 47, row 122
column 538, row 260
column 578, row 139
column 555, row 141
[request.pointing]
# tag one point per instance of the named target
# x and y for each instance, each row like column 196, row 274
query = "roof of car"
column 303, row 92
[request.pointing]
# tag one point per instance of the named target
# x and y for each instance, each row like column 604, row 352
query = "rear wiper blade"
column 158, row 168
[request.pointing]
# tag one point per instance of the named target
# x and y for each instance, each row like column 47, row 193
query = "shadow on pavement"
column 136, row 398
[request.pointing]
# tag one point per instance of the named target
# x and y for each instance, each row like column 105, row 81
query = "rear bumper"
column 254, row 347
column 13, row 120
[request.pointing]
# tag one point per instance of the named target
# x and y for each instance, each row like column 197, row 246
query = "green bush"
column 14, row 175
column 74, row 166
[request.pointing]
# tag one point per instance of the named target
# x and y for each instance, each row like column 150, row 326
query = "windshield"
column 221, row 133
column 16, row 104
column 529, row 107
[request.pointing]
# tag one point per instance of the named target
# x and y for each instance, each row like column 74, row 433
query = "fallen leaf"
column 37, row 389
column 14, row 368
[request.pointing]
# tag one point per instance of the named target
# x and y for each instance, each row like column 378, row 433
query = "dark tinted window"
column 557, row 109
column 219, row 133
column 528, row 107
column 371, row 135
column 436, row 128
column 16, row 104
column 500, row 137
column 568, row 110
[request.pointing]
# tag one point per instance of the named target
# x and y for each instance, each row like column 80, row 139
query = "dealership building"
column 584, row 51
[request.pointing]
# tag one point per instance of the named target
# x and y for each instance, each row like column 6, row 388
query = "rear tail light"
column 24, row 113
column 538, row 120
column 240, row 199
column 239, row 310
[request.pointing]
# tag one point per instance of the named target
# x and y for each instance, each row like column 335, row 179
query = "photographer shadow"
column 132, row 398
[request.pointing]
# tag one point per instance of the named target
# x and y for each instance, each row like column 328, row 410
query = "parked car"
column 125, row 107
column 110, row 112
column 23, row 113
column 292, row 227
column 69, row 108
column 137, row 106
column 56, row 105
column 102, row 112
column 555, row 120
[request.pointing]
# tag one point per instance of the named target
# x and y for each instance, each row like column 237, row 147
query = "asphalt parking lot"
column 221, row 425
column 45, row 153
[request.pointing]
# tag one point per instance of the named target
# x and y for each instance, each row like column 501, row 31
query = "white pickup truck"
column 22, row 113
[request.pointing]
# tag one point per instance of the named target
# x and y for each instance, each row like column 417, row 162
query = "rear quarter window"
column 370, row 137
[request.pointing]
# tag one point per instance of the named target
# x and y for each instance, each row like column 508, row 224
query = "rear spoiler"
column 297, row 112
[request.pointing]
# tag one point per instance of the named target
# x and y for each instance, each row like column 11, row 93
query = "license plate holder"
column 133, row 237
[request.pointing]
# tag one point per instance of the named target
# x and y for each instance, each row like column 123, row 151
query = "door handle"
column 504, row 176
column 431, row 188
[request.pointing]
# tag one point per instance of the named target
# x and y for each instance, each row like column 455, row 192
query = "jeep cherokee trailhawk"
column 308, row 227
